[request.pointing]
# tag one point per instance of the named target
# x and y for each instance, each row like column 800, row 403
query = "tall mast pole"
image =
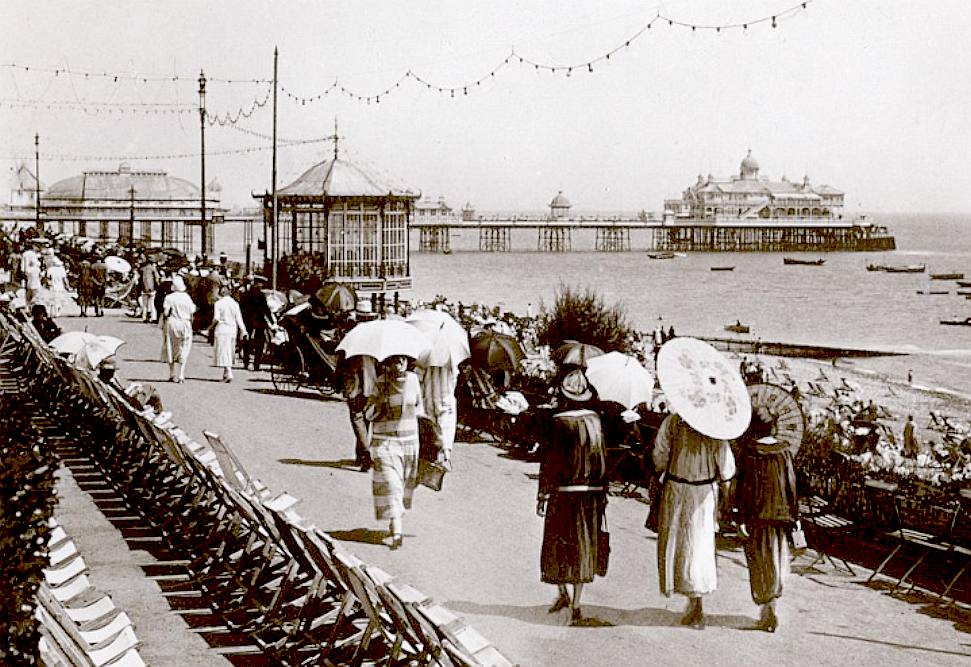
column 38, row 223
column 202, row 134
column 276, row 218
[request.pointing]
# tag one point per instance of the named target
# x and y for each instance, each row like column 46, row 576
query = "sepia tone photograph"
column 485, row 334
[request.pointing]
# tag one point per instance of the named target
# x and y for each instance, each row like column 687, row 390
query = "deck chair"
column 232, row 468
column 959, row 543
column 826, row 529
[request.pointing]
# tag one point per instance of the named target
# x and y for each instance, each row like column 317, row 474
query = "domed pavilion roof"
column 154, row 185
column 559, row 201
column 340, row 178
column 749, row 165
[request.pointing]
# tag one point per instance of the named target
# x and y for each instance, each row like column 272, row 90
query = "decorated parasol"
column 704, row 388
column 336, row 297
column 775, row 406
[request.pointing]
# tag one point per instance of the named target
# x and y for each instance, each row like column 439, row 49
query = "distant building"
column 23, row 187
column 428, row 212
column 143, row 206
column 749, row 196
column 468, row 212
column 560, row 206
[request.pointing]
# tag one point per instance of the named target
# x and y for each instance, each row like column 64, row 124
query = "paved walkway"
column 474, row 547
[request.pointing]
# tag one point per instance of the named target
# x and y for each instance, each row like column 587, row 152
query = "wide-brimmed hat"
column 364, row 307
column 109, row 363
column 178, row 285
column 575, row 387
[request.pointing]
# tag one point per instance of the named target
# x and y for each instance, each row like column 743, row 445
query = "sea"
column 838, row 304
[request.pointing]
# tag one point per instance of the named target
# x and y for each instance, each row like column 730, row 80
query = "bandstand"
column 342, row 223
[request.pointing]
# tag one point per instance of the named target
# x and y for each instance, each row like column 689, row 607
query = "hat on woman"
column 575, row 387
column 178, row 285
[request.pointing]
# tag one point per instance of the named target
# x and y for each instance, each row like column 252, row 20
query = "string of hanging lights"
column 116, row 76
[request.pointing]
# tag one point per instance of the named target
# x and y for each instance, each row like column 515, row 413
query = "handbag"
column 798, row 537
column 431, row 474
column 654, row 513
column 603, row 548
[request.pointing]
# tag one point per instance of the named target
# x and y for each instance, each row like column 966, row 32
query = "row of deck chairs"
column 80, row 625
column 297, row 596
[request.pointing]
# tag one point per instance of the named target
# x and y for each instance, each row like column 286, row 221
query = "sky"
column 871, row 97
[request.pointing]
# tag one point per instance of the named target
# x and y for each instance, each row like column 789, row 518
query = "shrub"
column 581, row 315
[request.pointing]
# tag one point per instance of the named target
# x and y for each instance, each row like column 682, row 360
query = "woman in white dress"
column 177, row 311
column 57, row 285
column 227, row 323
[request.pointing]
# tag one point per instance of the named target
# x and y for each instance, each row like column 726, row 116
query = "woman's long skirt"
column 224, row 352
column 570, row 537
column 176, row 341
column 767, row 554
column 394, row 475
column 686, row 539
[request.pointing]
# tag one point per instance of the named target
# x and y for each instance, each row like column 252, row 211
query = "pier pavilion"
column 143, row 206
column 338, row 221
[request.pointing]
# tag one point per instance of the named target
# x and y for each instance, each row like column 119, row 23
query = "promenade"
column 474, row 547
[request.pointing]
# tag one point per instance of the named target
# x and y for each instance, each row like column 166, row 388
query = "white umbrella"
column 621, row 378
column 384, row 338
column 86, row 350
column 704, row 388
column 117, row 264
column 449, row 341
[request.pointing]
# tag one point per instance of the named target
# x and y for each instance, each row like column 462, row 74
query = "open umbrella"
column 448, row 339
column 774, row 405
column 620, row 378
column 495, row 351
column 117, row 264
column 704, row 388
column 575, row 353
column 336, row 297
column 86, row 350
column 384, row 338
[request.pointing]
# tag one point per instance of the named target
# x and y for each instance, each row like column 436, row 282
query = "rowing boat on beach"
column 803, row 262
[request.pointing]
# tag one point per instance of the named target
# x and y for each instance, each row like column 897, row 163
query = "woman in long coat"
column 572, row 496
column 768, row 506
column 695, row 466
column 177, row 311
column 393, row 411
column 227, row 322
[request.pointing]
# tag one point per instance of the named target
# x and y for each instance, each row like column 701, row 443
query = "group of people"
column 696, row 472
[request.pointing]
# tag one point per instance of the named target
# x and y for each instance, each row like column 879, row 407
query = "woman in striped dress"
column 393, row 412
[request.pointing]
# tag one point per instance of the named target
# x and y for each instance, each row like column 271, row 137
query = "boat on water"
column 876, row 267
column 964, row 283
column 738, row 327
column 947, row 276
column 965, row 322
column 933, row 291
column 662, row 254
column 908, row 268
column 803, row 262
column 723, row 268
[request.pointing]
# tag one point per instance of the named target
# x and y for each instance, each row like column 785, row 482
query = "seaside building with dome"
column 749, row 196
column 343, row 222
column 146, row 206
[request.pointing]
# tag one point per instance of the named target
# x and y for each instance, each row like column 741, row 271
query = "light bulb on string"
column 773, row 22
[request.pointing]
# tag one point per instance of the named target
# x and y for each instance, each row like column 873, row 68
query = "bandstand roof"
column 117, row 185
column 340, row 178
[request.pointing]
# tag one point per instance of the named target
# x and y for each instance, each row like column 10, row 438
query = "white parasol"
column 704, row 388
column 621, row 378
column 384, row 338
column 86, row 350
column 117, row 264
column 449, row 341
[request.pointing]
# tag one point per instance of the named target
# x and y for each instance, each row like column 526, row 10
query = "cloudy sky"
column 869, row 96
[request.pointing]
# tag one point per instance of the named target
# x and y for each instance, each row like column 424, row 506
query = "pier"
column 612, row 234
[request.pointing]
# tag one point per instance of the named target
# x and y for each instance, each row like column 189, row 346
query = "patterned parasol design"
column 776, row 406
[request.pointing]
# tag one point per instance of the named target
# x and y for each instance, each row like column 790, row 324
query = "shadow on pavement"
column 309, row 395
column 597, row 616
column 365, row 535
column 344, row 464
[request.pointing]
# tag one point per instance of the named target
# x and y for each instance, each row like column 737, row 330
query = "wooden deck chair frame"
column 233, row 469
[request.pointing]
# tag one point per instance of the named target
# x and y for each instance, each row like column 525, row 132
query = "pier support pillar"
column 613, row 239
column 554, row 239
column 494, row 239
column 434, row 239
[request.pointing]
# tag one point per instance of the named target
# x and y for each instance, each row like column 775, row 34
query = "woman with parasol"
column 710, row 406
column 765, row 493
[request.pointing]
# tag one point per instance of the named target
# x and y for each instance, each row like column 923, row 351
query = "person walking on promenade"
column 177, row 312
column 768, row 506
column 57, row 286
column 695, row 465
column 85, row 286
column 438, row 385
column 358, row 380
column 572, row 498
column 227, row 325
column 150, row 279
column 393, row 411
column 257, row 316
column 99, row 278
